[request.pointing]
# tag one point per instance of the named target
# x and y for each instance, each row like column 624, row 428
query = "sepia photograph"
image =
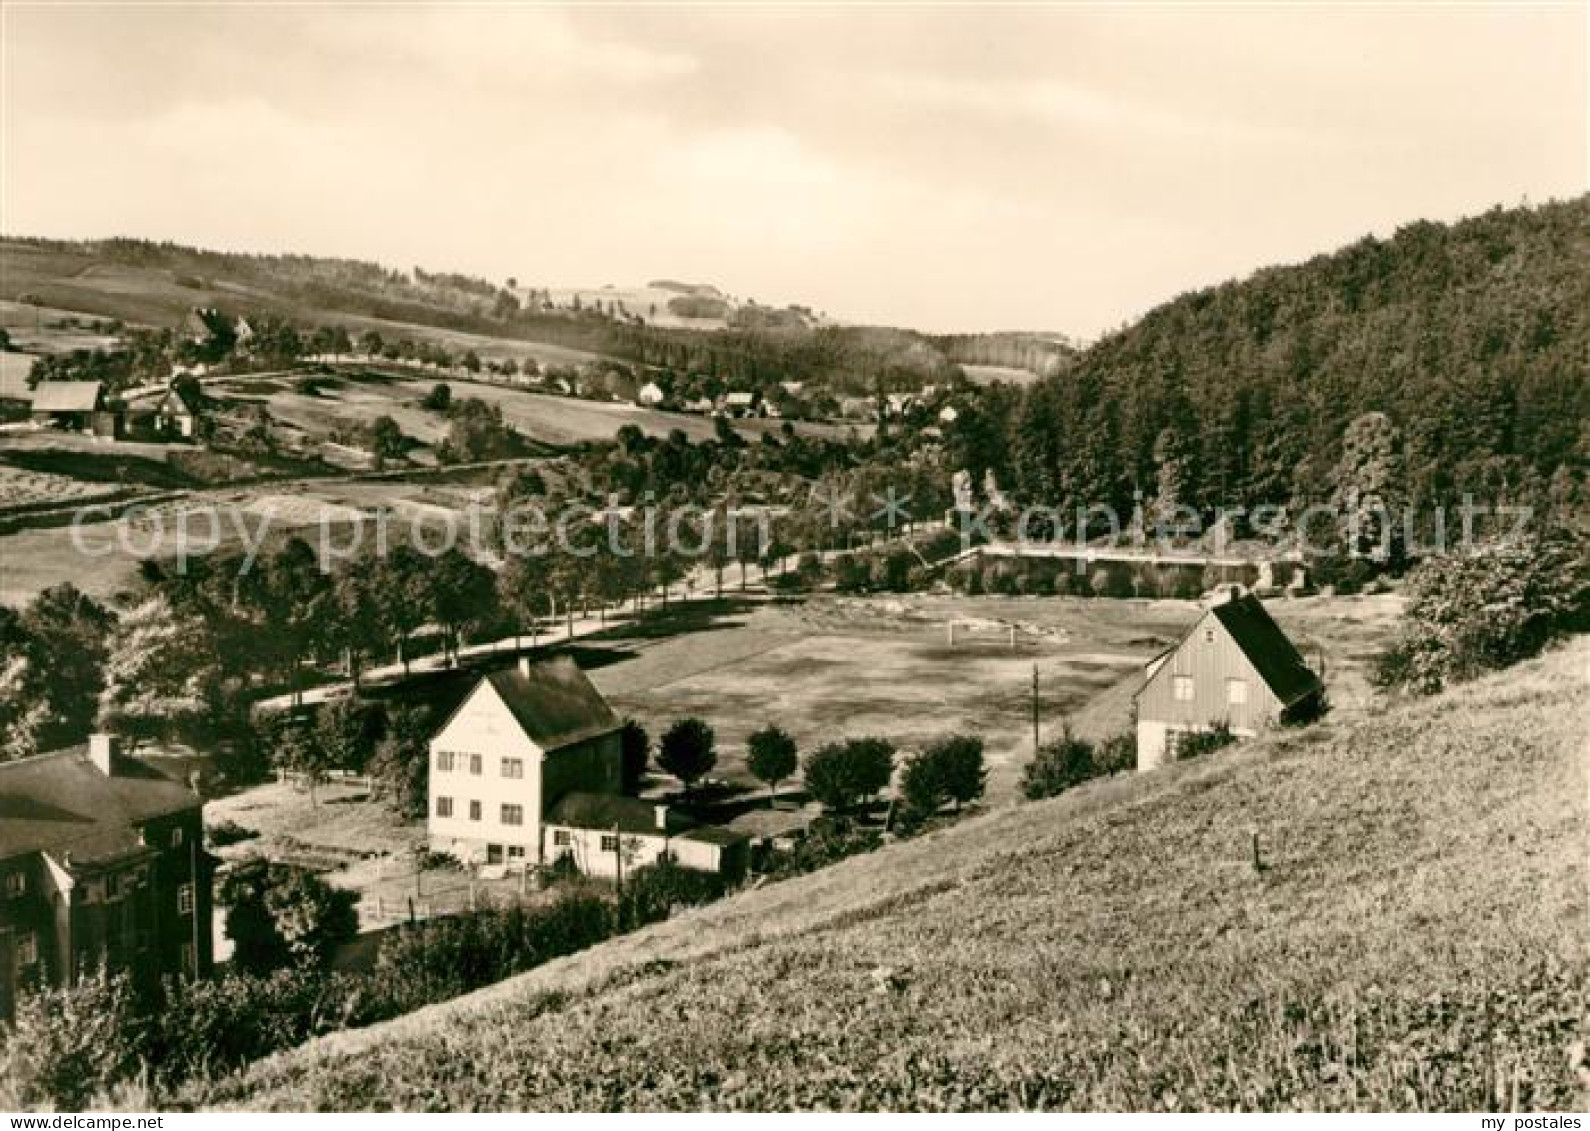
column 776, row 557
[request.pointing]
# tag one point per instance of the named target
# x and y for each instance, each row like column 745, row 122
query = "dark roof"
column 715, row 834
column 179, row 399
column 1267, row 648
column 60, row 803
column 67, row 396
column 605, row 810
column 554, row 702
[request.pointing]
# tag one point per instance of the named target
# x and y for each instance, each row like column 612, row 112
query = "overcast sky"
column 1063, row 168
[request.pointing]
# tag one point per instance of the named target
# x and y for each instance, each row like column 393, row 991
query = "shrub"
column 226, row 832
column 1197, row 743
column 1116, row 754
column 652, row 892
column 1059, row 765
column 828, row 841
column 66, row 1045
column 1475, row 613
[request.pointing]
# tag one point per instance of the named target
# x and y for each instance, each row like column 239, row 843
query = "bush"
column 66, row 1045
column 652, row 892
column 1197, row 743
column 228, row 832
column 1479, row 612
column 1061, row 764
column 1116, row 754
column 828, row 841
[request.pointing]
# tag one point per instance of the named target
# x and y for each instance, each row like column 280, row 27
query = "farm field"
column 1111, row 948
column 542, row 417
column 74, row 284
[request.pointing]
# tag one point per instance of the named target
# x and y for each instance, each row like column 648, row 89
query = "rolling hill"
column 1411, row 939
column 1470, row 338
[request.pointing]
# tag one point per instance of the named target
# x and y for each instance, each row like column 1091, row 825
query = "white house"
column 518, row 742
column 1235, row 666
column 528, row 769
column 650, row 394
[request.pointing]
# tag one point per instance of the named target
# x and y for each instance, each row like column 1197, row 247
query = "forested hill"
column 1472, row 338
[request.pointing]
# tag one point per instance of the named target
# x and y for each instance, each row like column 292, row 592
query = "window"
column 28, row 949
column 185, row 899
column 609, row 842
column 513, row 814
column 1209, row 636
column 444, row 806
column 1181, row 688
column 444, row 761
column 112, row 886
column 561, row 838
column 176, row 837
column 474, row 810
column 474, row 764
column 513, row 767
column 16, row 883
column 1236, row 691
column 515, row 852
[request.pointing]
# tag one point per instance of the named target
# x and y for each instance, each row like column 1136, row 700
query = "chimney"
column 1233, row 593
column 661, row 812
column 524, row 667
column 103, row 753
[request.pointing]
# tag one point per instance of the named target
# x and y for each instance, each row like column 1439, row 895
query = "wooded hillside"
column 1472, row 339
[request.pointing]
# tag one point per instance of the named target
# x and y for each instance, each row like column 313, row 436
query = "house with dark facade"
column 102, row 862
column 528, row 770
column 1235, row 667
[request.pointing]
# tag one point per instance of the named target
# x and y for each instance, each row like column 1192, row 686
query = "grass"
column 1412, row 941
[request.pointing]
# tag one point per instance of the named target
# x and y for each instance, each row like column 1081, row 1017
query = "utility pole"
column 618, row 859
column 1035, row 743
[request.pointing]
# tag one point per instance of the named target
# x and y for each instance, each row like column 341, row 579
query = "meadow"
column 1409, row 938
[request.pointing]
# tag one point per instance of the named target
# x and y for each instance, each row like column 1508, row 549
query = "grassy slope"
column 1415, row 941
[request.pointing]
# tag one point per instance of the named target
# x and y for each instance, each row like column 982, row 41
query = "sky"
column 950, row 168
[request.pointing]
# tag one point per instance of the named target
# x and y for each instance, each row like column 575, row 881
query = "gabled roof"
column 1268, row 649
column 60, row 803
column 67, row 396
column 554, row 702
column 179, row 399
column 606, row 811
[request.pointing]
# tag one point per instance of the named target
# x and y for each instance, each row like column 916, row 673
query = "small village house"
column 176, row 413
column 650, row 395
column 527, row 770
column 740, row 404
column 1236, row 667
column 101, row 862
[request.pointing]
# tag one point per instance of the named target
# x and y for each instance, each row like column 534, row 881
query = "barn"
column 1236, row 667
column 68, row 404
